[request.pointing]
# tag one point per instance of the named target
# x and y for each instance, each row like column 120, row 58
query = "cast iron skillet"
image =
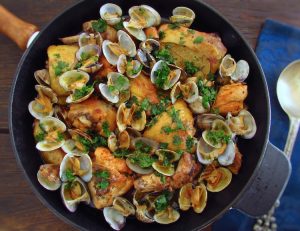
column 253, row 190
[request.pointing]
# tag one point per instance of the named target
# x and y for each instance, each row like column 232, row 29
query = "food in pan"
column 139, row 117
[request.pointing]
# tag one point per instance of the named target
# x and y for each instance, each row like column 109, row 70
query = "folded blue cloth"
column 278, row 45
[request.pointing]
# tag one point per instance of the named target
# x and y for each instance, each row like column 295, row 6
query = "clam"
column 241, row 72
column 149, row 45
column 193, row 197
column 42, row 105
column 52, row 132
column 167, row 216
column 227, row 66
column 206, row 153
column 227, row 157
column 73, row 193
column 138, row 33
column 125, row 46
column 146, row 59
column 175, row 92
column 163, row 76
column 130, row 117
column 132, row 68
column 114, row 218
column 119, row 81
column 218, row 179
column 48, row 176
column 61, row 113
column 76, row 166
column 120, row 142
column 197, row 106
column 111, row 96
column 143, row 142
column 86, row 39
column 165, row 159
column 243, row 124
column 111, row 13
column 133, row 134
column 123, row 206
column 137, row 169
column 205, row 121
column 189, row 91
column 74, row 79
column 70, row 39
column 142, row 214
column 183, row 15
column 143, row 16
column 74, row 98
column 42, row 77
column 88, row 51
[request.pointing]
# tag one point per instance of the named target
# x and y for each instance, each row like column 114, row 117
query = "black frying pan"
column 265, row 169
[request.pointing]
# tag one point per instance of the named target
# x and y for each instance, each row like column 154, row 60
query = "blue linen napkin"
column 278, row 45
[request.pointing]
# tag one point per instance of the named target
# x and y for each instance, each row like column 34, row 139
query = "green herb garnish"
column 60, row 68
column 208, row 94
column 105, row 129
column 144, row 160
column 176, row 118
column 218, row 136
column 191, row 31
column 145, row 104
column 80, row 93
column 162, row 201
column 99, row 26
column 189, row 143
column 161, row 35
column 190, row 68
column 142, row 147
column 198, row 39
column 104, row 177
column 69, row 175
column 119, row 25
column 164, row 54
column 121, row 153
column 163, row 145
column 56, row 55
column 177, row 140
column 173, row 26
column 162, row 75
column 40, row 137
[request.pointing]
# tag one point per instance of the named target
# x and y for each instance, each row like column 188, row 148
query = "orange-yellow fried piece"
column 105, row 69
column 230, row 98
column 237, row 162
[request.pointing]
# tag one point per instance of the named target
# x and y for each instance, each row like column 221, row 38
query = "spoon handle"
column 293, row 131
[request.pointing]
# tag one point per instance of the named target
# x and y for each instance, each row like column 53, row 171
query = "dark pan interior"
column 69, row 23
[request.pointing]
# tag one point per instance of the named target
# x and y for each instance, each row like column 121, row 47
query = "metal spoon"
column 288, row 93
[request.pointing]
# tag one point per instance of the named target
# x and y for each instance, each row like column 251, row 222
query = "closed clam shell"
column 225, row 177
column 197, row 106
column 199, row 198
column 137, row 33
column 111, row 13
column 80, row 165
column 112, row 142
column 114, row 78
column 48, row 176
column 122, row 117
column 114, row 218
column 227, row 157
column 167, row 216
column 184, row 199
column 74, row 193
column 74, row 79
column 121, row 64
column 241, row 72
column 51, row 124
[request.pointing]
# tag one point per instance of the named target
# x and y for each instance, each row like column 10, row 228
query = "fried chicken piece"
column 119, row 180
column 105, row 69
column 92, row 113
column 237, row 162
column 230, row 98
column 186, row 171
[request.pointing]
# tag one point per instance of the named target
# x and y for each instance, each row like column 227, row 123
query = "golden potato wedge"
column 156, row 131
column 208, row 45
column 53, row 157
column 142, row 88
column 60, row 59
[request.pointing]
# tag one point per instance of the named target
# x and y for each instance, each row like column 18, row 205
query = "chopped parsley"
column 60, row 68
column 198, row 39
column 208, row 94
column 191, row 31
column 56, row 55
column 134, row 71
column 161, row 176
column 60, row 136
column 119, row 25
column 164, row 54
column 177, row 140
column 145, row 104
column 210, row 76
column 121, row 153
column 40, row 136
column 119, row 83
column 162, row 201
column 69, row 175
column 80, row 93
column 99, row 26
column 163, row 145
column 144, row 160
column 85, row 143
column 218, row 136
column 131, row 101
column 142, row 147
column 176, row 118
column 161, row 35
column 104, row 179
column 190, row 68
column 105, row 129
column 162, row 75
column 189, row 143
column 173, row 26
column 159, row 108
column 181, row 41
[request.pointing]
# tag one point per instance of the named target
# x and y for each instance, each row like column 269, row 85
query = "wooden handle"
column 15, row 28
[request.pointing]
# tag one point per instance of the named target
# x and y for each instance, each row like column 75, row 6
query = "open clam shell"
column 114, row 218
column 227, row 66
column 227, row 157
column 183, row 15
column 137, row 33
column 42, row 77
column 197, row 106
column 74, row 79
column 189, row 91
column 52, row 129
column 48, row 176
column 80, row 166
column 73, row 193
column 150, row 144
column 124, row 206
column 224, row 176
column 88, row 51
column 167, row 216
column 126, row 43
column 241, row 72
column 205, row 121
column 137, row 169
column 111, row 13
column 86, row 39
column 143, row 16
column 110, row 96
column 175, row 92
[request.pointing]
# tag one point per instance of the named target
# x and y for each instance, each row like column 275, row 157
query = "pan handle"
column 15, row 28
column 268, row 184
